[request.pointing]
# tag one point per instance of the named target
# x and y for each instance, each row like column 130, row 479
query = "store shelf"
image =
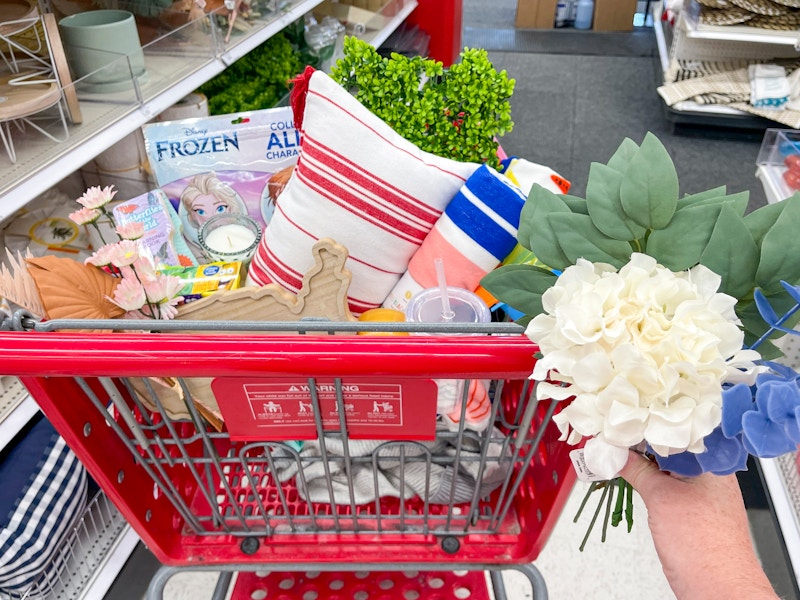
column 16, row 409
column 783, row 483
column 734, row 33
column 90, row 557
column 175, row 64
column 377, row 38
column 685, row 45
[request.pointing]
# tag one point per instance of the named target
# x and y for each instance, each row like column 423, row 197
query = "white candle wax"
column 230, row 238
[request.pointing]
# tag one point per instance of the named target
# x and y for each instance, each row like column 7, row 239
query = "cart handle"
column 76, row 354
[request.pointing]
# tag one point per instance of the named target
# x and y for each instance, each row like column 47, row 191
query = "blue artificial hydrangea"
column 723, row 456
column 762, row 420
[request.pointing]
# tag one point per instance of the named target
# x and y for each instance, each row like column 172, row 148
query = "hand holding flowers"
column 649, row 316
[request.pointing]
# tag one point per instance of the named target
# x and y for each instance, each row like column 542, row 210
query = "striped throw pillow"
column 361, row 184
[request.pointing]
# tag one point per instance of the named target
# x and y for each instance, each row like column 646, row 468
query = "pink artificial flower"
column 97, row 197
column 124, row 253
column 168, row 309
column 130, row 231
column 129, row 294
column 101, row 258
column 162, row 288
column 85, row 216
column 144, row 266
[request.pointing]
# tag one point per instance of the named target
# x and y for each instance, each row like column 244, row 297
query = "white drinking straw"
column 447, row 312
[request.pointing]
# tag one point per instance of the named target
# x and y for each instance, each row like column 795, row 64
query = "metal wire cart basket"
column 226, row 449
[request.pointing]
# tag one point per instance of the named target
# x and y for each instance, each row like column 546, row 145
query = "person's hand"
column 700, row 531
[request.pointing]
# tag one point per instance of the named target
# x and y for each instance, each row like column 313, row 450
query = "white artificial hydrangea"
column 644, row 351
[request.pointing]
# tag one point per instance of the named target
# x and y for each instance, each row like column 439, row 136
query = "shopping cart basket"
column 313, row 492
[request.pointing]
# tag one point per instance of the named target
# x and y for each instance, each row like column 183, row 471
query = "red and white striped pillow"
column 360, row 184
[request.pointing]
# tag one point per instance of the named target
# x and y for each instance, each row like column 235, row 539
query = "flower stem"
column 99, row 232
column 610, row 501
column 155, row 310
column 629, row 506
column 590, row 491
column 594, row 518
column 616, row 518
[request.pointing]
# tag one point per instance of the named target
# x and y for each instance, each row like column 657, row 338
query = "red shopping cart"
column 245, row 447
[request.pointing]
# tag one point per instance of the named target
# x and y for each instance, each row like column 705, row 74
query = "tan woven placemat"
column 724, row 16
column 789, row 3
column 761, row 7
column 785, row 22
column 716, row 3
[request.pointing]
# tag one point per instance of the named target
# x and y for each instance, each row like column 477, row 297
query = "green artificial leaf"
column 519, row 286
column 605, row 208
column 762, row 219
column 688, row 199
column 579, row 238
column 575, row 204
column 780, row 248
column 626, row 151
column 737, row 201
column 732, row 253
column 535, row 234
column 679, row 245
column 649, row 189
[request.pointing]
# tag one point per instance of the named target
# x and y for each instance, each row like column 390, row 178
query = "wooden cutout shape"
column 323, row 294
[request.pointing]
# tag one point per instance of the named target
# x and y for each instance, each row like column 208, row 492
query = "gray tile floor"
column 576, row 99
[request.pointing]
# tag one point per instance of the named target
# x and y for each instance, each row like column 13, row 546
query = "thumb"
column 641, row 473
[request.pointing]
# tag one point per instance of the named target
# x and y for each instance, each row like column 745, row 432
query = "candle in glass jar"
column 229, row 239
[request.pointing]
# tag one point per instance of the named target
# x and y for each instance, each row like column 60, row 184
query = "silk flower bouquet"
column 653, row 320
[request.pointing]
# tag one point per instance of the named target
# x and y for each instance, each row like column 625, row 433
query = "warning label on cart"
column 297, row 409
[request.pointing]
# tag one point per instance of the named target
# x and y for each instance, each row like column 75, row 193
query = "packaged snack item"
column 228, row 163
column 162, row 228
column 204, row 280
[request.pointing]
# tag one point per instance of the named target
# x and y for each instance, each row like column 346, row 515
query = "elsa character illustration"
column 204, row 197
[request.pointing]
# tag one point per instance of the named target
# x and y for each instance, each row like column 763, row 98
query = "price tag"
column 579, row 464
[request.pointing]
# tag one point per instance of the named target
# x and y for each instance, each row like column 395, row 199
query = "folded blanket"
column 361, row 184
column 384, row 476
column 476, row 231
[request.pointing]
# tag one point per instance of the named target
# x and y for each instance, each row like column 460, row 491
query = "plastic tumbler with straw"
column 446, row 304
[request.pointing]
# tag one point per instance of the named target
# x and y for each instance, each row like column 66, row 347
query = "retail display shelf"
column 16, row 409
column 89, row 557
column 175, row 65
column 379, row 37
column 113, row 562
column 663, row 46
column 661, row 36
column 688, row 111
column 734, row 33
column 783, row 483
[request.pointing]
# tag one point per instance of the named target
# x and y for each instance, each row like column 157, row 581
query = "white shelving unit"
column 176, row 64
column 691, row 41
